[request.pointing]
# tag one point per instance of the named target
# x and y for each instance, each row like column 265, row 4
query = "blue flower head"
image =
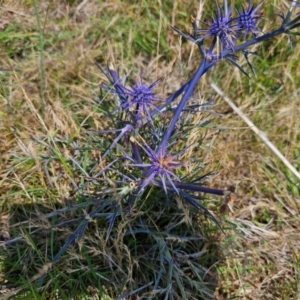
column 140, row 98
column 222, row 26
column 159, row 166
column 248, row 18
column 136, row 100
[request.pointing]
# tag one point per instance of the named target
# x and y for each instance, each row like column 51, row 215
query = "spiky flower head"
column 223, row 27
column 248, row 18
column 140, row 99
column 137, row 99
column 159, row 166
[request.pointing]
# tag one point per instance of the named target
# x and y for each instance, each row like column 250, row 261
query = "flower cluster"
column 227, row 28
column 157, row 166
column 143, row 157
column 233, row 30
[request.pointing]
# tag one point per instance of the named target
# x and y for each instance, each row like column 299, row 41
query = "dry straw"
column 258, row 132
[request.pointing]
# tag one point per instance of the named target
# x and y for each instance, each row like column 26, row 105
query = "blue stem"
column 200, row 71
column 198, row 188
column 136, row 153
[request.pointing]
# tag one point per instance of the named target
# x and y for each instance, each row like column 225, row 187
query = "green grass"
column 47, row 103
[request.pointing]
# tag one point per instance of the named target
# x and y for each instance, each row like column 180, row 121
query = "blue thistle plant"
column 156, row 163
column 153, row 162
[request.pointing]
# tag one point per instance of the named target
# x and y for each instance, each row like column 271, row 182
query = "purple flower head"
column 140, row 98
column 248, row 18
column 223, row 27
column 159, row 166
column 137, row 100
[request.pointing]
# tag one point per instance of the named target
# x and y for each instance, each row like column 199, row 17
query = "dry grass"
column 45, row 105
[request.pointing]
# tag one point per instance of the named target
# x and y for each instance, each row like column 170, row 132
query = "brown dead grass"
column 262, row 244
